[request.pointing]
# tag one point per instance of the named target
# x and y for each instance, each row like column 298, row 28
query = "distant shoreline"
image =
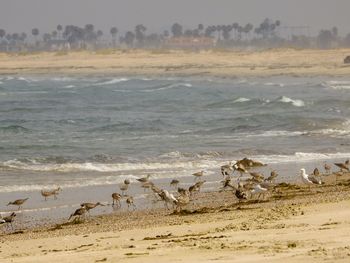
column 168, row 63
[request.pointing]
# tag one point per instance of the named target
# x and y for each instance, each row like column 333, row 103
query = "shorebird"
column 343, row 166
column 18, row 202
column 272, row 177
column 167, row 198
column 227, row 169
column 182, row 200
column 240, row 168
column 130, row 202
column 195, row 188
column 226, row 183
column 316, row 172
column 147, row 185
column 198, row 175
column 89, row 206
column 116, row 198
column 327, row 168
column 144, row 179
column 127, row 181
column 54, row 193
column 174, row 183
column 124, row 188
column 259, row 190
column 308, row 180
column 9, row 219
column 183, row 191
column 257, row 177
column 240, row 194
column 78, row 213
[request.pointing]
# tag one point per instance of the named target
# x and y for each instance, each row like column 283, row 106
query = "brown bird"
column 126, row 181
column 327, row 168
column 124, row 188
column 79, row 212
column 227, row 170
column 257, row 176
column 198, row 175
column 116, row 198
column 182, row 201
column 9, row 219
column 174, row 183
column 18, row 202
column 316, row 172
column 342, row 166
column 144, row 179
column 89, row 206
column 53, row 193
column 240, row 168
column 130, row 202
column 272, row 177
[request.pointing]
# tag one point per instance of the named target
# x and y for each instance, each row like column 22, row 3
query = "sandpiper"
column 272, row 176
column 198, row 175
column 168, row 198
column 78, row 213
column 130, row 202
column 258, row 177
column 124, row 188
column 343, row 166
column 54, row 193
column 89, row 206
column 144, row 179
column 182, row 201
column 174, row 183
column 259, row 190
column 127, row 181
column 18, row 202
column 327, row 168
column 227, row 170
column 9, row 219
column 240, row 168
column 116, row 198
column 316, row 172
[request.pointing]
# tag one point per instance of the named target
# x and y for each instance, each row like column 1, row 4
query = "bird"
column 9, row 219
column 227, row 170
column 240, row 194
column 316, row 172
column 174, row 183
column 258, row 189
column 130, row 202
column 127, row 181
column 240, row 168
column 144, row 179
column 89, row 206
column 198, row 175
column 168, row 198
column 196, row 187
column 147, row 185
column 78, row 213
column 18, row 202
column 327, row 168
column 272, row 176
column 116, row 198
column 257, row 177
column 53, row 192
column 343, row 166
column 182, row 200
column 124, row 188
column 308, row 180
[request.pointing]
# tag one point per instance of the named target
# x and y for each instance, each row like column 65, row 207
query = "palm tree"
column 114, row 32
column 140, row 34
column 2, row 33
column 176, row 29
column 59, row 29
column 129, row 38
column 35, row 33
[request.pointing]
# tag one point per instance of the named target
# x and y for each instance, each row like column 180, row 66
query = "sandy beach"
column 220, row 63
column 293, row 225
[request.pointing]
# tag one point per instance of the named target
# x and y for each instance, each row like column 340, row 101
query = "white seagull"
column 308, row 180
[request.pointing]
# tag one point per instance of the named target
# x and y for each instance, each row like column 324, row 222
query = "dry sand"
column 294, row 225
column 181, row 63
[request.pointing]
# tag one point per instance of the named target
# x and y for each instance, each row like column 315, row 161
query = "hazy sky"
column 23, row 15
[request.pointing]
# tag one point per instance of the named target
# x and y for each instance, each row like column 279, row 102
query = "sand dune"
column 181, row 63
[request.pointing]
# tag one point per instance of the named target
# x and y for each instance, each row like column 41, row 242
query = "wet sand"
column 213, row 63
column 295, row 224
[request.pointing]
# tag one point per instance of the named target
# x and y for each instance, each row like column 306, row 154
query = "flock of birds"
column 256, row 185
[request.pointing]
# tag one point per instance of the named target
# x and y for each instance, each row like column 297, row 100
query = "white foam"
column 176, row 85
column 241, row 100
column 337, row 85
column 69, row 86
column 277, row 134
column 294, row 102
column 112, row 81
column 274, row 84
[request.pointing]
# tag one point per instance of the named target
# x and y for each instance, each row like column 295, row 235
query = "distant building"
column 189, row 42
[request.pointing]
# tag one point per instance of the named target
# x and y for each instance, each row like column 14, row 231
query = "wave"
column 294, row 102
column 241, row 100
column 14, row 129
column 274, row 84
column 301, row 157
column 69, row 86
column 170, row 86
column 112, row 81
column 337, row 85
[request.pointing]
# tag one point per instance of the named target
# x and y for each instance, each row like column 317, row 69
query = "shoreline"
column 170, row 63
column 293, row 224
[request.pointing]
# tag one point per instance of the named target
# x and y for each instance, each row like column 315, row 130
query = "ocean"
column 81, row 132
